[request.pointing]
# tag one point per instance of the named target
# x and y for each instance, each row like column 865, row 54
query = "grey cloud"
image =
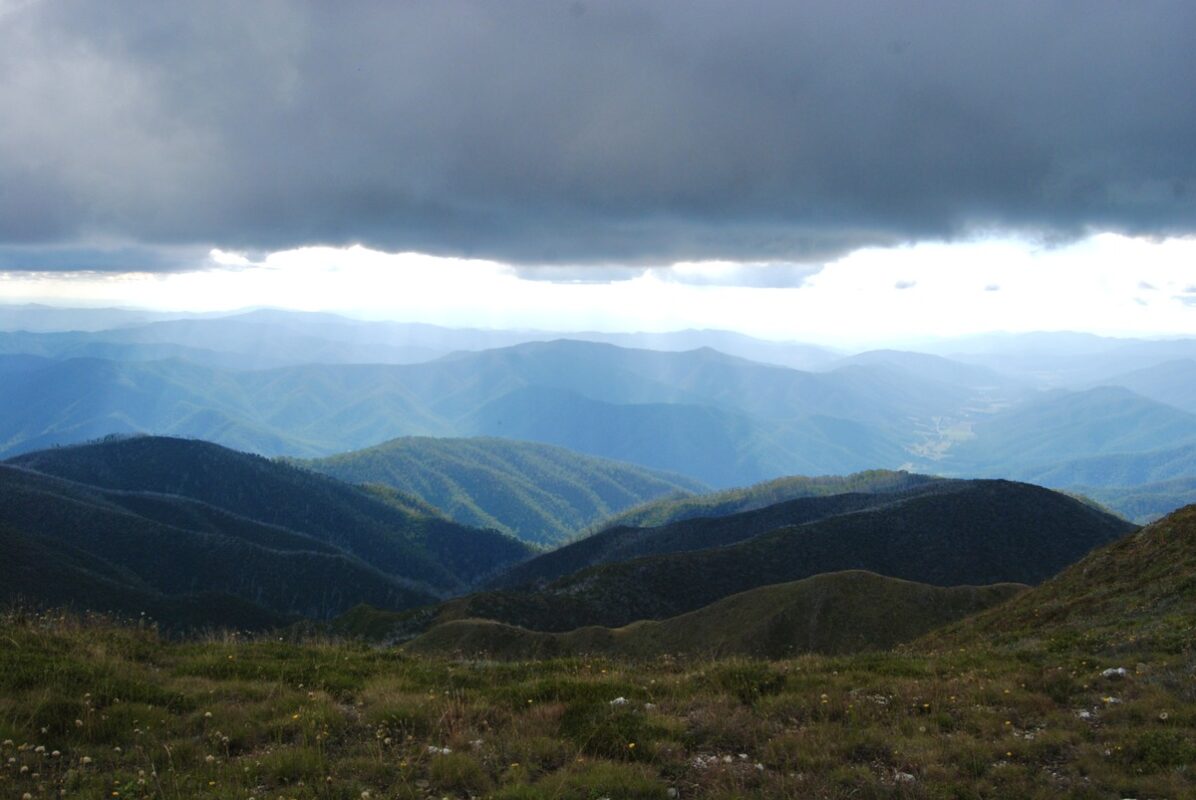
column 993, row 287
column 125, row 258
column 1147, row 286
column 905, row 284
column 613, row 132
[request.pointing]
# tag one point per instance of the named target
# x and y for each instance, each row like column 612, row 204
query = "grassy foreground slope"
column 1137, row 592
column 832, row 613
column 536, row 492
column 1007, row 706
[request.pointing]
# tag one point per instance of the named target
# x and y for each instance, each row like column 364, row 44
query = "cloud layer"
column 611, row 132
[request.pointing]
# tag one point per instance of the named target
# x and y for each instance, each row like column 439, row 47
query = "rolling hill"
column 832, row 613
column 256, row 516
column 79, row 546
column 538, row 493
column 964, row 532
column 732, row 501
column 624, row 542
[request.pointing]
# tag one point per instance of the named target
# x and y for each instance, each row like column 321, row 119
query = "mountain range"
column 710, row 417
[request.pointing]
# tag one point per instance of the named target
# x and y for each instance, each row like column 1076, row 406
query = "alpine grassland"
column 93, row 708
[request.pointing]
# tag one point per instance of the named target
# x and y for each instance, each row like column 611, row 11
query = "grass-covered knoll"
column 537, row 492
column 961, row 533
column 97, row 711
column 1137, row 592
column 832, row 613
column 709, row 530
column 732, row 501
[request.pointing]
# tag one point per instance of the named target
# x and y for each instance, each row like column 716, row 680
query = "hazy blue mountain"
column 1119, row 469
column 942, row 370
column 537, row 492
column 716, row 418
column 711, row 416
column 1062, row 359
column 1063, row 426
column 1145, row 502
column 267, row 338
column 1172, row 382
column 36, row 317
column 70, row 345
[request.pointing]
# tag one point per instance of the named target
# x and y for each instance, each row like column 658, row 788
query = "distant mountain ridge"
column 695, row 406
column 538, row 493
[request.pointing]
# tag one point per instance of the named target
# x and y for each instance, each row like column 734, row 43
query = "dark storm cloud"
column 612, row 132
column 100, row 259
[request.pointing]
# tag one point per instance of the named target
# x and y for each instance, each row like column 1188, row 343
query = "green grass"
column 119, row 712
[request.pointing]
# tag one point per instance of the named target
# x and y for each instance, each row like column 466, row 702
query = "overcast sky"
column 746, row 151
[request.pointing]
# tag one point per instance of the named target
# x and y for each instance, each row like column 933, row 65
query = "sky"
column 826, row 171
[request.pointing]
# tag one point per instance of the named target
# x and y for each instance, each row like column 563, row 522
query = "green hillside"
column 731, row 501
column 538, row 493
column 1078, row 688
column 1137, row 594
column 38, row 573
column 396, row 540
column 623, row 543
column 964, row 533
column 832, row 613
column 147, row 548
column 149, row 524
